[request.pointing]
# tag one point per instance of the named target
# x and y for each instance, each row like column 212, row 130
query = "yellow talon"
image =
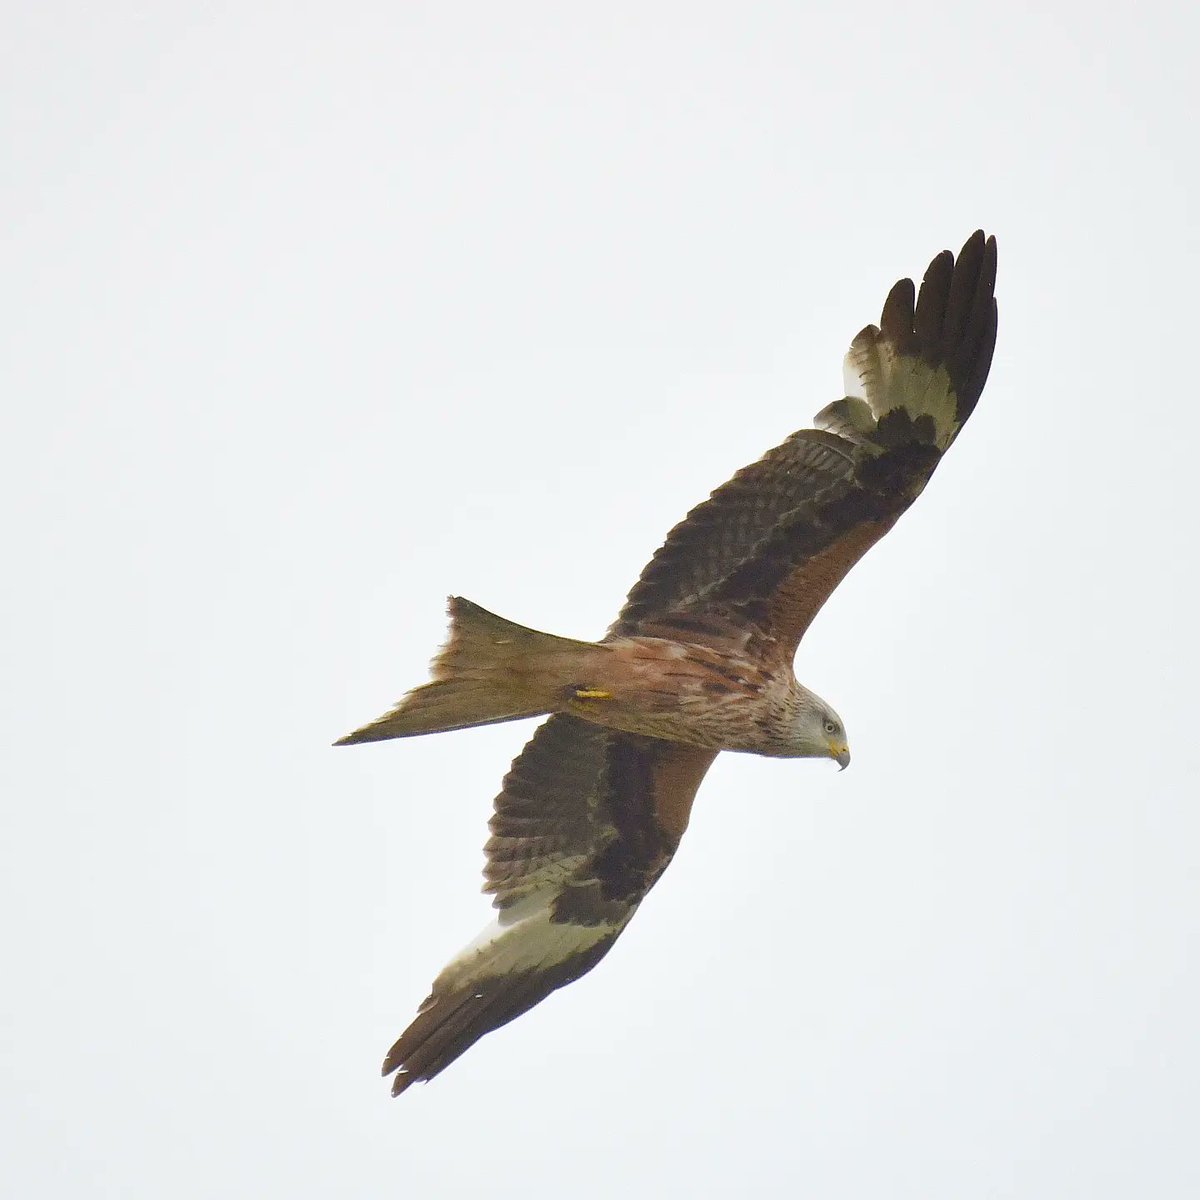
column 592, row 694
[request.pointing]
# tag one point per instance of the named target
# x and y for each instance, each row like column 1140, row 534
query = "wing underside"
column 769, row 547
column 586, row 822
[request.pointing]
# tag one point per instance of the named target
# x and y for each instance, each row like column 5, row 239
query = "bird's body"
column 715, row 697
column 720, row 687
column 698, row 661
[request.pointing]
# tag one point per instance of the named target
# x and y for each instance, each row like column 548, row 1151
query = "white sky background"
column 315, row 313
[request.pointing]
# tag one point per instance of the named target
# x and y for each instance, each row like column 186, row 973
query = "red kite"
column 698, row 661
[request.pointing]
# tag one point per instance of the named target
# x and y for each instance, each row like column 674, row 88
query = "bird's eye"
column 830, row 726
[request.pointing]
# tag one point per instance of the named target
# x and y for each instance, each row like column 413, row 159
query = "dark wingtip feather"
column 954, row 319
column 451, row 1021
column 446, row 1026
column 962, row 289
column 971, row 321
column 933, row 298
column 896, row 321
column 983, row 363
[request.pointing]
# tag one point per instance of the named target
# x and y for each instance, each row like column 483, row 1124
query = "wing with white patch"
column 586, row 822
column 769, row 547
column 516, row 962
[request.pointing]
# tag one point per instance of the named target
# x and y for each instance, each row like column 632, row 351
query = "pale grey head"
column 817, row 731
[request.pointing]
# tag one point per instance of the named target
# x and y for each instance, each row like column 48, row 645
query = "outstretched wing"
column 587, row 821
column 769, row 547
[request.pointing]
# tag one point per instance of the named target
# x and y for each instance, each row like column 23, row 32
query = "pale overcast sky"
column 315, row 313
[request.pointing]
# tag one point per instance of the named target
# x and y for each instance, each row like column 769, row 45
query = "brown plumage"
column 699, row 660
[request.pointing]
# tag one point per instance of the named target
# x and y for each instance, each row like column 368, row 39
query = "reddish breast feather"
column 687, row 693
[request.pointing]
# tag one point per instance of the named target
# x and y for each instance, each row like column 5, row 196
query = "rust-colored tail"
column 489, row 670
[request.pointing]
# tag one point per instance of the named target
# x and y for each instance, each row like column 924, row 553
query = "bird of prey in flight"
column 698, row 661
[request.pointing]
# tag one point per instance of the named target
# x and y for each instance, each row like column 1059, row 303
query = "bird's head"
column 818, row 731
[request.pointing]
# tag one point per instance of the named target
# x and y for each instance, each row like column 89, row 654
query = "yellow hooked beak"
column 840, row 753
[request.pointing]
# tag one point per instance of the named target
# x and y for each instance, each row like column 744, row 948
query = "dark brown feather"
column 931, row 304
column 969, row 328
column 611, row 804
column 896, row 322
column 716, row 536
column 450, row 1023
column 552, row 807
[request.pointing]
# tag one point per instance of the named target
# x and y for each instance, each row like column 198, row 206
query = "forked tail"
column 489, row 670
